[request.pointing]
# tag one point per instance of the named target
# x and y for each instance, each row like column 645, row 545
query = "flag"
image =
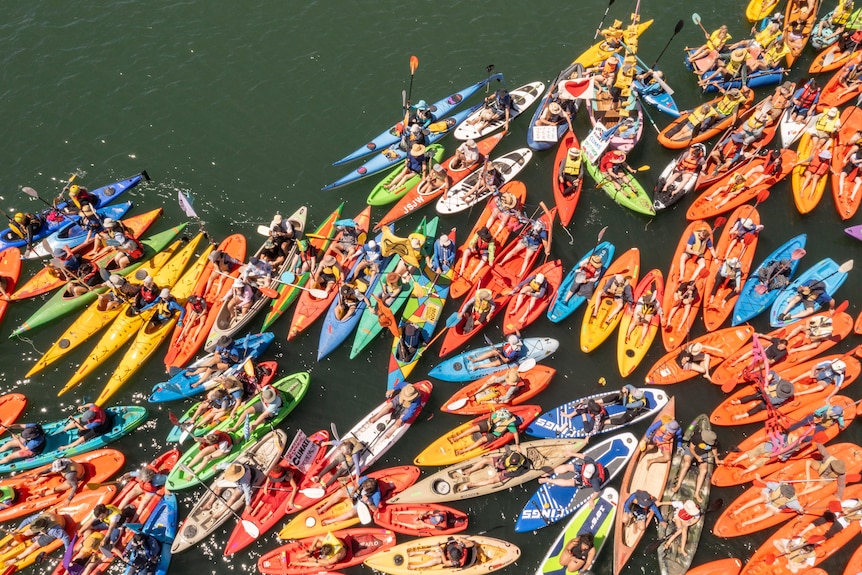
column 186, row 205
column 577, row 89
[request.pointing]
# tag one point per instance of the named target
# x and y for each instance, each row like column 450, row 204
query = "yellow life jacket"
column 726, row 105
column 336, row 544
column 775, row 53
column 699, row 245
column 715, row 40
column 481, row 305
column 766, row 36
column 616, row 288
column 733, row 67
column 841, row 14
column 535, row 286
column 572, row 167
column 826, row 124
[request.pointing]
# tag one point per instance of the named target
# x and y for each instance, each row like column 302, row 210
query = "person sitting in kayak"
column 824, row 131
column 535, row 288
column 443, row 255
column 306, row 259
column 498, row 423
column 803, row 101
column 325, row 551
column 813, row 331
column 435, row 182
column 696, row 247
column 499, row 469
column 107, row 521
column 282, row 476
column 369, row 491
column 491, row 391
column 776, row 497
column 498, row 106
column 685, row 515
column 829, row 467
column 692, row 124
column 30, row 443
column 25, row 226
column 700, row 450
column 257, row 272
column 685, row 170
column 696, row 357
column 477, row 310
column 79, row 196
column 507, row 354
column 466, row 156
column 92, row 422
column 412, row 338
column 579, row 554
column 660, row 441
column 351, row 238
column 741, row 230
column 534, row 237
column 71, row 471
column 411, row 137
column 685, row 296
column 504, row 207
column 852, row 169
column 777, row 392
column 811, row 294
column 143, row 554
column 266, row 409
column 217, row 406
column 728, row 106
column 775, row 274
column 638, row 506
column 413, row 253
column 646, row 309
column 630, row 397
column 39, row 530
column 774, row 348
column 571, row 173
column 717, row 41
column 604, row 76
column 223, row 264
column 849, row 78
column 582, row 472
column 166, row 307
column 417, row 164
column 616, row 171
column 328, row 273
column 727, row 72
column 147, row 483
column 482, row 246
column 344, row 461
column 849, row 42
column 795, row 34
column 239, row 299
column 240, row 479
column 729, row 276
column 587, row 275
column 454, row 553
column 390, row 289
column 821, row 376
column 617, row 288
column 828, row 29
column 129, row 249
column 750, row 131
column 781, row 446
column 402, row 407
column 347, row 301
column 225, row 355
column 212, row 446
column 773, row 56
column 488, row 182
column 554, row 114
column 817, row 166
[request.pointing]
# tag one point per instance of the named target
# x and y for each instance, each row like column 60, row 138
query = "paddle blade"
column 94, row 486
column 173, row 418
column 250, row 528
column 457, row 404
column 728, row 386
column 268, row 292
column 263, row 230
column 762, row 196
column 30, row 192
column 760, row 289
column 601, row 234
column 527, row 364
column 313, row 492
column 287, row 277
column 695, row 17
column 846, row 266
column 798, row 254
column 720, row 221
column 834, row 506
column 318, row 293
column 842, row 307
column 678, row 28
column 248, row 368
column 452, row 320
column 363, row 513
column 414, row 63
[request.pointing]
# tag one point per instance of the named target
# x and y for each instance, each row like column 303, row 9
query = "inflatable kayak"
column 517, row 318
column 491, row 555
column 719, row 345
column 522, row 98
column 459, row 197
column 826, row 271
column 409, row 519
column 561, row 309
column 630, row 350
column 360, row 543
column 470, row 401
column 460, row 368
column 380, row 195
column 597, row 325
column 750, row 302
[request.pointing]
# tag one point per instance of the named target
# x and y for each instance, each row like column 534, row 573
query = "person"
column 775, row 497
column 531, row 239
column 741, row 229
column 129, row 249
column 696, row 248
column 685, row 296
column 70, row 470
column 225, row 355
column 214, row 445
column 143, row 554
column 350, row 238
column 347, row 300
column 328, row 273
column 412, row 338
column 478, row 310
column 829, row 29
column 616, row 171
column 443, row 256
column 700, row 450
column 777, row 392
column 224, row 265
column 257, row 272
column 686, row 170
column 436, row 182
column 728, row 277
column 306, row 259
column 504, row 207
column 803, row 101
column 40, row 529
column 801, row 551
column 813, row 331
column 148, row 481
column 829, row 467
column 240, row 298
column 553, row 115
column 281, row 477
column 507, row 354
column 437, row 519
column 695, row 357
column 685, row 515
column 26, row 226
column 413, row 254
column 750, row 131
column 92, row 422
column 482, row 246
column 775, row 274
column 571, row 174
column 498, row 106
column 726, row 107
column 581, row 472
column 343, row 461
column 781, row 446
column 79, row 196
column 165, row 307
column 270, row 404
column 107, row 521
column 646, row 309
column 821, row 376
column 491, row 391
column 579, row 554
column 778, row 102
column 717, row 41
column 663, row 435
column 390, row 289
column 282, row 233
column 196, row 308
column 726, row 72
column 325, row 551
column 604, row 76
column 368, row 491
column 466, row 156
column 592, row 413
column 817, row 166
column 217, row 406
column 499, row 469
column 774, row 348
column 414, row 135
column 689, row 127
column 618, row 288
column 417, row 164
column 29, row 443
column 613, row 36
column 771, row 58
column 824, row 129
column 404, row 403
column 458, row 553
column 488, row 182
column 587, row 275
column 535, row 288
column 241, row 479
column 849, row 78
column 498, row 423
column 637, row 508
column 852, row 169
column 811, row 294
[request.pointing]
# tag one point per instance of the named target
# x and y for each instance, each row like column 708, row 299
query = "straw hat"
column 408, row 393
column 269, row 394
column 596, row 259
column 838, row 466
column 484, row 293
column 508, row 200
column 575, row 152
column 739, row 55
column 445, row 241
column 696, row 348
column 512, row 376
column 328, row 260
column 234, row 472
column 555, row 108
column 417, row 150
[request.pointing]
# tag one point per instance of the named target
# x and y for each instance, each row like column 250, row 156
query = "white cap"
column 513, row 340
column 540, row 277
column 238, row 283
column 371, row 245
column 588, row 471
column 165, row 293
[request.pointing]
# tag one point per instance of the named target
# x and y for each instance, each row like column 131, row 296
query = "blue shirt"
column 409, row 412
column 630, row 502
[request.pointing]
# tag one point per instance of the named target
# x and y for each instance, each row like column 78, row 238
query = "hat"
column 234, row 472
column 224, row 341
column 415, row 243
column 415, row 129
column 148, row 281
column 836, row 410
column 109, row 223
column 787, row 490
column 691, row 507
column 328, row 260
column 165, row 293
column 58, row 252
column 709, row 437
column 371, row 245
column 825, row 154
column 445, row 241
column 733, row 262
column 417, row 150
column 116, row 280
column 734, row 93
column 555, row 108
column 514, row 341
column 269, row 394
column 421, row 105
column 784, row 389
column 596, row 259
column 276, row 220
column 39, row 524
column 88, row 416
column 512, row 376
column 484, row 233
column 438, row 168
column 471, row 143
column 508, row 200
column 832, row 112
column 696, row 347
column 238, row 283
column 484, row 293
column 739, row 55
column 74, row 189
column 59, row 465
column 746, row 223
column 540, row 277
column 212, row 436
column 637, row 393
column 408, row 393
column 214, row 255
column 672, row 425
column 575, row 152
column 391, row 277
column 838, row 466
column 839, row 365
column 588, row 471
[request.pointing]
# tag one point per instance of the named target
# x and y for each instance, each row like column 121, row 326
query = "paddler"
column 700, row 450
column 499, row 468
column 466, row 156
column 775, row 497
column 417, row 164
column 637, row 507
column 79, row 196
column 489, row 180
column 555, row 113
column 685, row 515
column 725, row 107
column 535, row 288
column 534, row 236
column 25, row 226
column 212, row 446
column 814, row 331
column 571, row 173
column 263, row 411
column 92, row 422
column 795, row 34
column 404, row 403
column 824, row 130
column 328, row 273
column 40, row 529
column 695, row 357
column 239, row 299
column 729, row 276
column 579, row 554
column 347, row 301
column 350, row 239
column 615, row 169
column 506, row 354
column 853, row 169
column 729, row 71
column 435, row 182
column 828, row 29
column 71, row 471
column 443, row 257
column 696, row 247
column 849, row 41
column 685, row 296
column 107, row 522
column 504, row 208
column 147, row 482
column 482, row 246
column 592, row 413
column 421, row 114
column 498, row 423
column 772, row 57
column 817, row 166
column 821, row 376
column 587, row 275
column 451, row 554
column 307, row 257
column 749, row 132
column 166, row 307
column 492, row 392
column 223, row 264
column 240, row 479
column 802, row 103
column 344, row 461
column 414, row 135
column 478, row 309
column 225, row 355
column 660, row 441
column 390, row 289
column 695, row 121
column 618, row 288
column 143, row 554
column 849, row 78
column 325, row 551
column 740, row 231
column 646, row 309
column 686, row 169
column 774, row 348
column 412, row 338
column 829, row 467
column 613, row 36
column 582, row 472
column 30, row 443
column 217, row 406
column 777, row 392
column 129, row 249
column 716, row 41
column 811, row 293
column 498, row 106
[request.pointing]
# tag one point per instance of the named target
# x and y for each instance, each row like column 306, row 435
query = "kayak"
column 560, row 309
column 413, row 199
column 667, row 370
column 381, row 196
column 74, row 235
column 730, row 522
column 310, row 521
column 630, row 352
column 226, row 322
column 98, row 466
column 631, row 195
column 751, row 303
column 728, row 566
column 757, row 10
column 552, row 503
column 442, row 451
column 211, row 511
column 834, row 92
column 47, row 278
column 271, row 502
column 719, row 296
column 125, row 419
column 522, row 98
column 823, row 35
column 597, row 519
column 791, row 131
column 53, row 219
column 854, row 232
column 127, row 320
column 449, row 484
column 517, row 318
column 682, row 140
column 292, row 389
column 825, row 270
column 541, row 138
column 63, row 303
column 605, row 116
column 534, row 381
column 360, row 543
column 732, row 369
column 440, row 108
column 726, row 411
column 210, row 287
column 309, row 308
column 664, row 198
column 552, row 423
column 831, row 58
column 765, row 77
column 459, row 198
column 845, row 202
column 806, row 199
column 793, row 13
column 599, row 51
column 12, row 405
column 182, row 385
column 649, row 477
column 162, row 524
column 319, row 240
column 460, row 368
column 566, row 204
column 491, row 555
column 596, row 326
column 10, row 272
column 406, row 518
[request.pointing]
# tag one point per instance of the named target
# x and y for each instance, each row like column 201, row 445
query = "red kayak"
column 12, row 405
column 10, row 272
column 835, row 92
column 360, row 543
column 416, row 519
column 566, row 204
column 729, row 566
column 534, row 382
column 517, row 319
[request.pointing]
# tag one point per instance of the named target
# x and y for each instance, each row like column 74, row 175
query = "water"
column 245, row 106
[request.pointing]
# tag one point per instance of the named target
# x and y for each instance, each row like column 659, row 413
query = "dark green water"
column 245, row 105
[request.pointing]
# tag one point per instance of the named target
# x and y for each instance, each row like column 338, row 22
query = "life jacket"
column 775, row 53
column 824, row 470
column 499, row 422
column 808, row 96
column 101, row 416
column 696, row 116
column 331, row 271
column 733, row 67
column 615, row 288
column 464, row 553
column 689, row 162
column 513, row 462
column 726, row 105
column 600, row 471
column 336, row 544
column 716, row 40
column 54, row 520
column 842, row 13
column 778, row 499
column 648, row 304
column 481, row 306
column 814, row 291
column 480, row 244
column 149, row 294
column 662, row 435
column 765, row 37
column 411, row 336
column 699, row 245
column 826, row 124
column 536, row 286
column 590, row 271
column 510, row 351
column 572, row 167
column 823, row 327
column 754, row 123
column 609, row 68
column 728, row 270
column 199, row 304
column 164, row 309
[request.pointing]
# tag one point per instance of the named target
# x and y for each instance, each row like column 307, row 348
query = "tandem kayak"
column 459, row 197
column 460, row 368
column 719, row 345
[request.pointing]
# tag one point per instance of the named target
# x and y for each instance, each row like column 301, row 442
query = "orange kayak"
column 534, row 382
column 831, row 58
column 515, row 319
column 835, row 93
column 596, row 327
column 10, row 271
column 681, row 140
column 793, row 13
column 403, row 518
column 676, row 331
column 854, row 564
column 719, row 345
column 729, row 566
column 565, row 204
column 851, row 124
column 12, row 405
column 630, row 352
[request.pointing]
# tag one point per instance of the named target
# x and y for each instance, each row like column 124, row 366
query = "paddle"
column 524, row 366
column 405, row 102
column 713, row 507
column 265, row 290
column 249, row 527
column 770, row 558
column 602, row 182
column 34, row 194
column 288, row 277
column 677, row 29
column 451, row 322
column 695, row 17
column 602, row 23
column 797, row 254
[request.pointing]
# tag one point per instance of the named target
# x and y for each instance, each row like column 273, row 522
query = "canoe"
column 188, row 339
column 793, row 13
column 62, row 303
column 448, row 483
column 458, row 198
column 559, row 309
column 405, row 518
column 381, row 196
column 440, row 108
column 360, row 543
column 650, row 478
column 725, row 412
column 632, row 194
column 292, row 389
column 663, row 198
column 522, row 97
column 182, row 385
column 162, row 524
column 535, row 380
column 729, row 523
column 459, row 369
column 98, row 466
column 831, row 58
column 825, row 270
column 597, row 52
column 757, row 10
column 125, row 419
column 491, row 555
column 630, row 352
column 597, row 519
column 310, row 521
column 226, row 323
column 806, row 199
column 546, row 137
column 731, row 370
column 319, row 240
column 595, row 327
column 834, row 93
column 47, row 279
column 12, row 405
column 514, row 320
column 54, row 220
column 414, row 200
column 552, row 503
column 210, row 511
column 728, row 566
column 270, row 503
column 675, row 331
column 10, row 271
column 309, row 308
column 667, row 370
column 441, row 451
column 552, row 424
column 565, row 204
column 750, row 303
column 851, row 124
column 681, row 141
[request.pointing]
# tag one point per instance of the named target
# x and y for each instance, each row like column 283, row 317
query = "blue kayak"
column 559, row 310
column 751, row 303
column 162, row 524
column 180, row 385
column 551, row 503
column 753, row 79
column 439, row 109
column 656, row 96
column 825, row 270
column 53, row 220
column 460, row 368
column 74, row 235
column 551, row 424
column 573, row 71
column 124, row 419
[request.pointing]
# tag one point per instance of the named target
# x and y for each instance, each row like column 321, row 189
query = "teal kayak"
column 380, row 196
column 631, row 195
column 162, row 524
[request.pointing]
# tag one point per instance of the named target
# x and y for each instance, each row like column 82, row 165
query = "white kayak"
column 522, row 98
column 459, row 199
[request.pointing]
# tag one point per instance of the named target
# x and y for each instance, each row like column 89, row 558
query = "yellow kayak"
column 595, row 330
column 596, row 53
column 757, row 10
column 806, row 200
column 629, row 352
column 491, row 554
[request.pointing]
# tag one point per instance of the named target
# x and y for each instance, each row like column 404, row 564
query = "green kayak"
column 61, row 304
column 292, row 388
column 632, row 195
column 380, row 196
column 369, row 327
